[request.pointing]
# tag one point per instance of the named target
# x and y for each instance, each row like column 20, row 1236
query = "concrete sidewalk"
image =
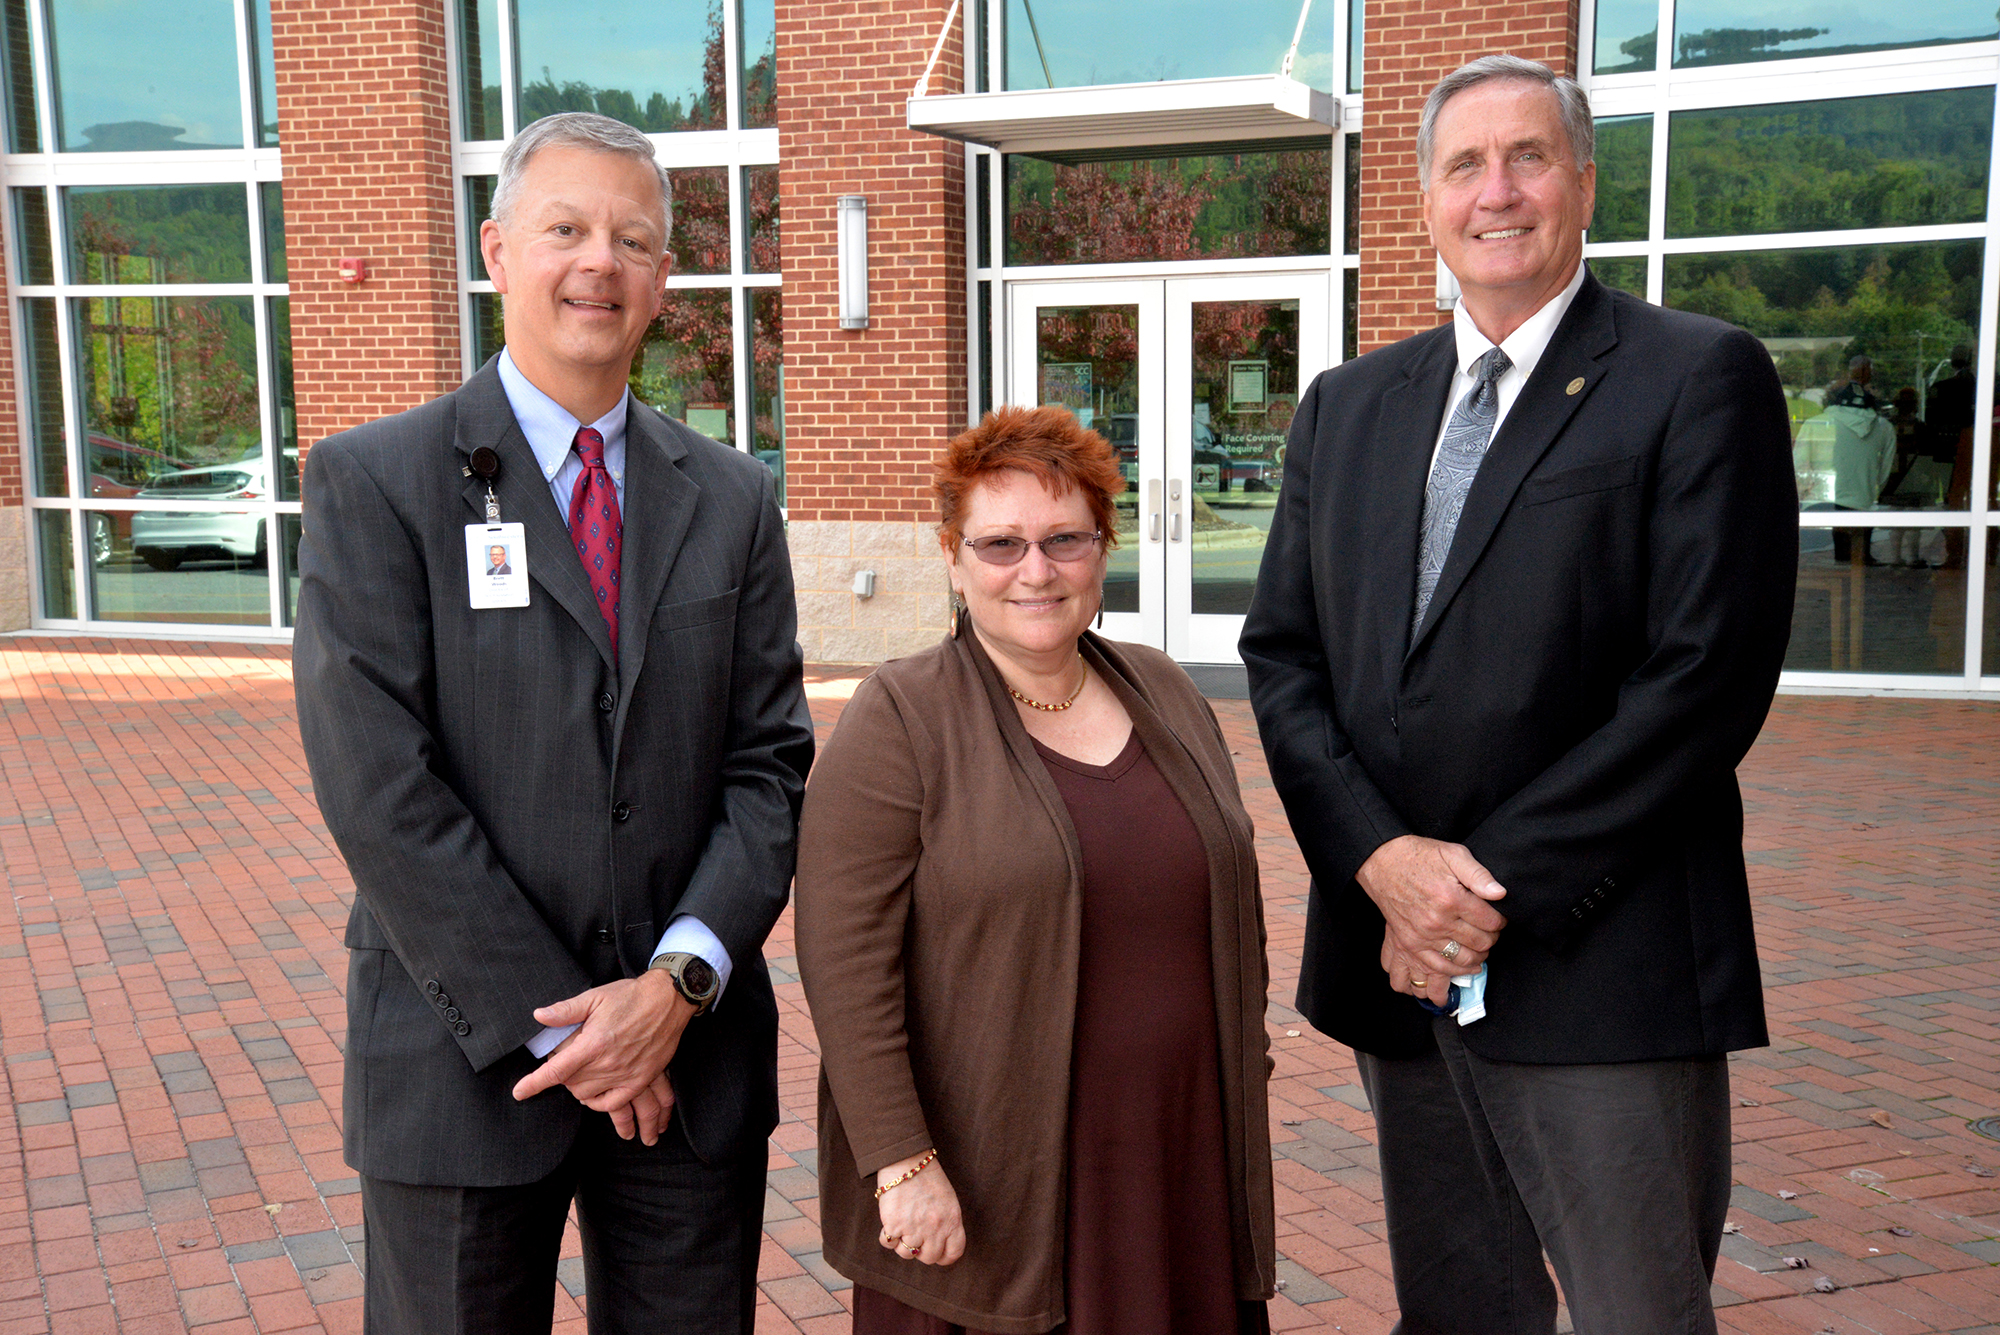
column 171, row 1021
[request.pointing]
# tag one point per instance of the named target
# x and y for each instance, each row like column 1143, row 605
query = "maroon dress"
column 1149, row 1250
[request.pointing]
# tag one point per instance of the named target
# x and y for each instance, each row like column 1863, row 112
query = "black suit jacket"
column 1600, row 653
column 522, row 816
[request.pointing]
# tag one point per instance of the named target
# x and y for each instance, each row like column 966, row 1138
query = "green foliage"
column 1901, row 161
column 158, row 234
column 1717, row 46
column 1624, row 178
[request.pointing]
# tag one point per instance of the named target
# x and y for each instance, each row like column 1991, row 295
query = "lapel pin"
column 1574, row 386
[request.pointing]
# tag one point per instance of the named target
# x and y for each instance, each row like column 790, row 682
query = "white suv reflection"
column 165, row 538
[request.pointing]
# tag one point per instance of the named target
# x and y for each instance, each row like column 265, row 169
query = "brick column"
column 866, row 410
column 364, row 119
column 1411, row 44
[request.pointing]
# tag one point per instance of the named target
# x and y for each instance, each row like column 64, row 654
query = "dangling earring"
column 1100, row 607
column 957, row 611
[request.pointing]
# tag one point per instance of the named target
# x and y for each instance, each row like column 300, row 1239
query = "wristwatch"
column 694, row 977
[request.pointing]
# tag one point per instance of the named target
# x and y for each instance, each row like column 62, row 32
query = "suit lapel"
column 659, row 506
column 1400, row 462
column 1533, row 423
column 484, row 418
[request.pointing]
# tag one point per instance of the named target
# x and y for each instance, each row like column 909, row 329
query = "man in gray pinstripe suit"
column 571, row 822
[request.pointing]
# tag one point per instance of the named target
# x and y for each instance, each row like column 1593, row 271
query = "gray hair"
column 576, row 129
column 1571, row 100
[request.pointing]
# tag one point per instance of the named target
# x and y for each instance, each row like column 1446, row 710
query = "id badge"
column 496, row 565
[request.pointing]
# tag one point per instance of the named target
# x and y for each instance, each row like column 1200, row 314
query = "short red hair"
column 1049, row 443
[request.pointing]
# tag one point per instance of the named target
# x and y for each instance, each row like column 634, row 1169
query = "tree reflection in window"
column 554, row 36
column 1150, row 209
column 173, row 374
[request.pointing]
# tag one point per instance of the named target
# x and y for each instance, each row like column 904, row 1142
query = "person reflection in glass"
column 1852, row 439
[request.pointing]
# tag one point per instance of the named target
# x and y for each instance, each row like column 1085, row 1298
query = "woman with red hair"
column 1031, row 938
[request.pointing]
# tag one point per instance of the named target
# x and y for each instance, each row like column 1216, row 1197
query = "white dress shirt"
column 551, row 433
column 1524, row 347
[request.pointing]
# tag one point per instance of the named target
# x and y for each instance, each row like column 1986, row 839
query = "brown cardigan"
column 938, row 909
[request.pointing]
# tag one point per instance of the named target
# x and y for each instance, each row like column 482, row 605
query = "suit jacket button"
column 433, row 987
column 604, row 934
column 451, row 1013
column 1576, row 913
column 622, row 811
column 607, row 702
column 441, row 1000
column 461, row 1029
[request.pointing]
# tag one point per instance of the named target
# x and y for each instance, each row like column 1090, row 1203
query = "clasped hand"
column 616, row 1062
column 1431, row 893
column 920, row 1215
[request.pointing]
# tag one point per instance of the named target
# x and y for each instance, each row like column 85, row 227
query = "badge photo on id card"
column 496, row 565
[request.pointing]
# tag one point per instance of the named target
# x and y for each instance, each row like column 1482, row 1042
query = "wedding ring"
column 1451, row 950
column 1419, row 982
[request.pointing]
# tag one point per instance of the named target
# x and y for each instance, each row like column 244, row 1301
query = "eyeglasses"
column 1005, row 550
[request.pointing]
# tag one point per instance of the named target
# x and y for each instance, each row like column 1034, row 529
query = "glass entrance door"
column 1194, row 381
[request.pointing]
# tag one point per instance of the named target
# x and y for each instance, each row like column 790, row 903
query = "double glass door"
column 1193, row 381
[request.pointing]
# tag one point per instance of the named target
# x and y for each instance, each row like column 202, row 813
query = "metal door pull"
column 1174, row 510
column 1153, row 510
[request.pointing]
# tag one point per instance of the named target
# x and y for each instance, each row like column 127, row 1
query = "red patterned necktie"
column 597, row 529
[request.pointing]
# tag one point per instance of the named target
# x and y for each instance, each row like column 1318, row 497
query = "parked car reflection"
column 118, row 469
column 165, row 538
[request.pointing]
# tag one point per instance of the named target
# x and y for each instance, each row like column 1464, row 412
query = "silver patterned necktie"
column 1466, row 437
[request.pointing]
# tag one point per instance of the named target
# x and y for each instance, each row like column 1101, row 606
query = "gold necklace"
column 1056, row 709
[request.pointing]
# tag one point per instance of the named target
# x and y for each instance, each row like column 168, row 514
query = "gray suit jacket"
column 522, row 816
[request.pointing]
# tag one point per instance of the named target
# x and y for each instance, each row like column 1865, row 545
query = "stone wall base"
column 15, row 596
column 908, row 612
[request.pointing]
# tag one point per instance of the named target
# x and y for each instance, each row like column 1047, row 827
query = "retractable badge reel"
column 496, row 554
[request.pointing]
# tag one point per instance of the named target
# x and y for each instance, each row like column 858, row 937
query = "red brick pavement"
column 170, row 1018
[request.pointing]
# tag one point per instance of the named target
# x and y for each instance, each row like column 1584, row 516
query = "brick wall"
column 867, row 410
column 365, row 123
column 1411, row 44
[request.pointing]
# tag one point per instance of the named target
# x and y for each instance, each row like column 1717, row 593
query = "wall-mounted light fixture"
column 1447, row 287
column 852, row 215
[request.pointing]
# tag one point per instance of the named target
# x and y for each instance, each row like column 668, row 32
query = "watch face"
column 698, row 977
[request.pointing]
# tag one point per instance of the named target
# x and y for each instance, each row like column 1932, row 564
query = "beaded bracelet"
column 893, row 1183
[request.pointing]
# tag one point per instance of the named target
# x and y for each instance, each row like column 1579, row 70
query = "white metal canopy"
column 1240, row 109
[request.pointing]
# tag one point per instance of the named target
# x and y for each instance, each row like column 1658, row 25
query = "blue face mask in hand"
column 1466, row 1000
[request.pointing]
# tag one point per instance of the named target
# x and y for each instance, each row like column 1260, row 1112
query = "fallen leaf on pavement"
column 1795, row 1263
column 272, row 1210
column 1825, row 1285
column 1749, row 1103
column 1289, row 1122
column 1879, row 1118
column 1732, row 1227
column 1978, row 1171
column 1788, row 1195
column 1902, row 1232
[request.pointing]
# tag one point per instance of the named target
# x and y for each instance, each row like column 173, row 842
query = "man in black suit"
column 1523, row 609
column 571, row 823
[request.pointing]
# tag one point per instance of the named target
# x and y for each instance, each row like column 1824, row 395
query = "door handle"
column 1153, row 510
column 1174, row 510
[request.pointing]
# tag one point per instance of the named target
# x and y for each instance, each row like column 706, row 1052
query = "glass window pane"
column 701, row 219
column 1989, row 643
column 271, row 200
column 267, row 78
column 1627, row 273
column 987, row 370
column 687, row 366
column 58, row 555
column 760, row 219
column 1861, row 336
column 1245, row 376
column 479, row 68
column 1223, row 204
column 31, row 236
column 758, row 34
column 1352, row 244
column 1721, row 32
column 1624, row 178
column 982, row 209
column 1873, row 600
column 288, row 566
column 1141, row 41
column 1087, row 360
column 657, row 68
column 478, row 208
column 767, row 380
column 284, row 403
column 173, row 374
column 1356, row 30
column 139, row 76
column 205, row 565
column 157, row 233
column 1350, row 322
column 24, row 122
column 42, row 396
column 1628, row 36
column 1900, row 161
column 488, row 333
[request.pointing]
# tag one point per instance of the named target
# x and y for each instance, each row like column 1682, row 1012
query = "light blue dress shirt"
column 551, row 433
